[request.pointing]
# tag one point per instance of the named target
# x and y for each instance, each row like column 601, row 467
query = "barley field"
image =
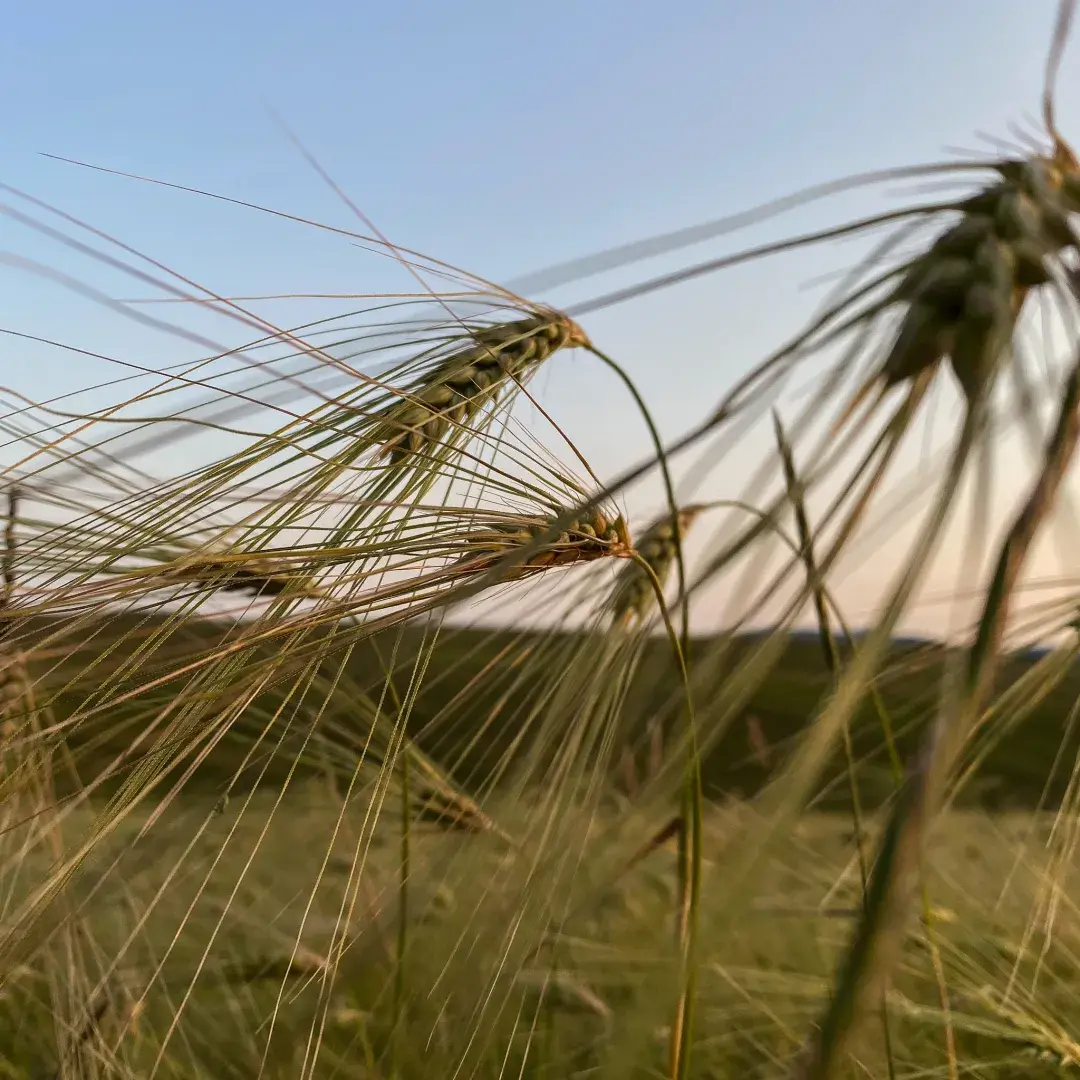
column 357, row 722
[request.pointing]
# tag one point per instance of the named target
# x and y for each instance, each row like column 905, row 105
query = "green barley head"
column 634, row 594
column 462, row 384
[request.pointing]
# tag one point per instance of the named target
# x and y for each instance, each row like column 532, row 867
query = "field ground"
column 476, row 909
column 535, row 958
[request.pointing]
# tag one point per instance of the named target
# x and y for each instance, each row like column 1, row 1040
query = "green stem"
column 403, row 908
column 691, row 816
column 832, row 664
column 690, row 829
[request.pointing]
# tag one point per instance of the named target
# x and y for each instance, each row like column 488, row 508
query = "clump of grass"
column 458, row 387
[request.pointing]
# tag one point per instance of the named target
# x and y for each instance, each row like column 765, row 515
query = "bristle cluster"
column 593, row 538
column 634, row 592
column 462, row 383
column 964, row 295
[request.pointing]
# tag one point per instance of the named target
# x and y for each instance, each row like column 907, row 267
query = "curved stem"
column 669, row 490
column 689, row 828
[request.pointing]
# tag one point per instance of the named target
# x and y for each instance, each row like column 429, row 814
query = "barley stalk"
column 832, row 664
column 12, row 672
column 875, row 943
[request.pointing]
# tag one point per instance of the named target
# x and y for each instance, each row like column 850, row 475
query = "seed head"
column 634, row 593
column 962, row 298
column 460, row 385
column 259, row 577
column 452, row 811
column 595, row 537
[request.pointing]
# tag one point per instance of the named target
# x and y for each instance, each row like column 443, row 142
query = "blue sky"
column 498, row 137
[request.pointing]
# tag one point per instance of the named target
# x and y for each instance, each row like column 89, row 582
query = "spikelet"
column 962, row 298
column 593, row 538
column 634, row 594
column 259, row 577
column 456, row 390
column 453, row 811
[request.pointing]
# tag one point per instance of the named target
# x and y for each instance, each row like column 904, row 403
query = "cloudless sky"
column 499, row 137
